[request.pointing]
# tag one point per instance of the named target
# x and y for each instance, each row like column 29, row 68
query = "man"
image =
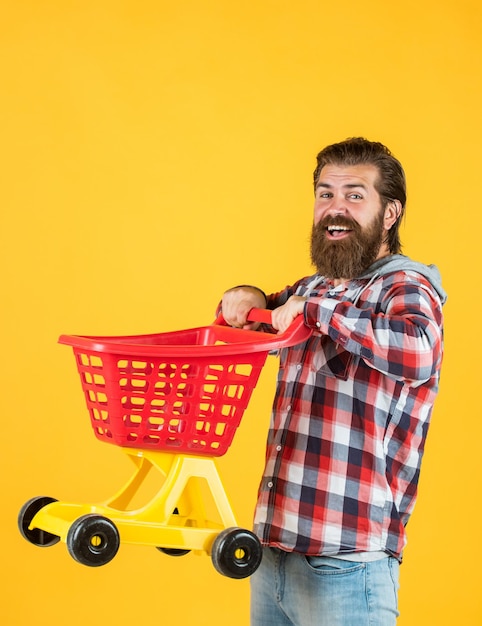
column 352, row 405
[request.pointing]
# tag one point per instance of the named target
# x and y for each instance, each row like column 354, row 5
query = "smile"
column 338, row 231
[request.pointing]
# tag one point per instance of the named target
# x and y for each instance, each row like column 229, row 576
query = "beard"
column 351, row 256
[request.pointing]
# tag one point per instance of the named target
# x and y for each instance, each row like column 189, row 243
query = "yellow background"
column 155, row 153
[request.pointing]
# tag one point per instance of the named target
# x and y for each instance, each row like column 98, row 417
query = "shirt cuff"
column 318, row 313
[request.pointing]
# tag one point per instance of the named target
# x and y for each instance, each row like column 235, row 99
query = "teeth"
column 332, row 228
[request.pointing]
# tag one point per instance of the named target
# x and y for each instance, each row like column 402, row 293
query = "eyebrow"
column 346, row 186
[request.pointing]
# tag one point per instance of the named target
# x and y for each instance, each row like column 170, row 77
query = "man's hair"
column 391, row 183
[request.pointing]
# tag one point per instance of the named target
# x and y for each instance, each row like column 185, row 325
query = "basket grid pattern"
column 189, row 405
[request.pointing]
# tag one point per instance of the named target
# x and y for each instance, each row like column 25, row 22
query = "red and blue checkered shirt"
column 351, row 413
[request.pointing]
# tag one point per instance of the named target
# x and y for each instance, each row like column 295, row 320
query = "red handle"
column 233, row 341
column 254, row 315
column 260, row 315
column 296, row 333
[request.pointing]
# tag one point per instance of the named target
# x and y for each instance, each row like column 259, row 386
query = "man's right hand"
column 238, row 302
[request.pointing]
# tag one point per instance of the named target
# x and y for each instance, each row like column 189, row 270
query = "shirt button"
column 288, row 408
column 278, row 448
column 270, row 485
column 318, row 324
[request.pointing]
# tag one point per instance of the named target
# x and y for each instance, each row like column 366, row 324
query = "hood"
column 402, row 263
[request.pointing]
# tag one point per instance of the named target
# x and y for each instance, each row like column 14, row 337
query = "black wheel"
column 93, row 540
column 37, row 536
column 174, row 551
column 236, row 553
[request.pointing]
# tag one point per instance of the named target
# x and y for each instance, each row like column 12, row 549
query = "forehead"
column 363, row 175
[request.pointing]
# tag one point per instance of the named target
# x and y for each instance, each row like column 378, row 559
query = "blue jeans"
column 291, row 589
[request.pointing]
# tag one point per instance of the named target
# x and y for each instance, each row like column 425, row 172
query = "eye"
column 355, row 196
column 324, row 194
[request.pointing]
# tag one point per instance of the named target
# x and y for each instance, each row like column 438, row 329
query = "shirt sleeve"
column 401, row 338
column 275, row 300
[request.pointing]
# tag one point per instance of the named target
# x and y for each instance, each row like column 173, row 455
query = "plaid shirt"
column 350, row 416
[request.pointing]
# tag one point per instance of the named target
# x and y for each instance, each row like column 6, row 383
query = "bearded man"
column 352, row 405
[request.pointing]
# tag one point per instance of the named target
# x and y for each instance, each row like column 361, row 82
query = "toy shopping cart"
column 172, row 402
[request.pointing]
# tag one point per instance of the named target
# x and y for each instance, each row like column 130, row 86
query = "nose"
column 338, row 205
column 335, row 208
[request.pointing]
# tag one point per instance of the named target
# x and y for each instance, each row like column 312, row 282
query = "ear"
column 393, row 210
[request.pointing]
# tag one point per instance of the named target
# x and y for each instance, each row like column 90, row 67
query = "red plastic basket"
column 183, row 391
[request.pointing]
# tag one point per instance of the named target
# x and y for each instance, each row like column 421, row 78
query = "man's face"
column 350, row 224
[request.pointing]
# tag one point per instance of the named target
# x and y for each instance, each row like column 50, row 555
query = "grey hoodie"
column 382, row 267
column 400, row 262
